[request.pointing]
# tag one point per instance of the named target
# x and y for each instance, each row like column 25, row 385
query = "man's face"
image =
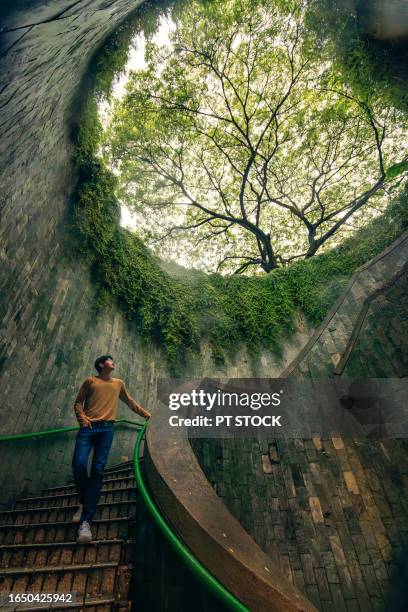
column 108, row 364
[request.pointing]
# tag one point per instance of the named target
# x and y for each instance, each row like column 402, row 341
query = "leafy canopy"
column 240, row 143
column 177, row 312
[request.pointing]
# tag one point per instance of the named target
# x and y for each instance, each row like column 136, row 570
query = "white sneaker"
column 77, row 516
column 84, row 532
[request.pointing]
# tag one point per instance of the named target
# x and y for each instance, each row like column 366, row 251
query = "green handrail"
column 49, row 432
column 194, row 564
column 227, row 598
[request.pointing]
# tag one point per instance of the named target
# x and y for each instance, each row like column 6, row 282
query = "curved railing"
column 203, row 522
column 207, row 579
column 50, row 432
column 391, row 264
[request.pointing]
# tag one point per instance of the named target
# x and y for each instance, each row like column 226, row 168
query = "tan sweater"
column 98, row 400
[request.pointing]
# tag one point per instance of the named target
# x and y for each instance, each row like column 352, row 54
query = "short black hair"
column 101, row 360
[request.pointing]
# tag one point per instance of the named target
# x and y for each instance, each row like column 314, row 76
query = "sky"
column 136, row 61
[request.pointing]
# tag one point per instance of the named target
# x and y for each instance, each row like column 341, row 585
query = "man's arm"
column 132, row 403
column 83, row 420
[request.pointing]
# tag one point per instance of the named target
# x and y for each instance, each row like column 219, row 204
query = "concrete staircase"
column 329, row 349
column 39, row 553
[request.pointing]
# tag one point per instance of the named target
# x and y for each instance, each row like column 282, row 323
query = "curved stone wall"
column 49, row 332
column 332, row 513
column 50, row 335
column 330, row 347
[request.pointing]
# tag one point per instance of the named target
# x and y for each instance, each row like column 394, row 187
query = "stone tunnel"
column 329, row 516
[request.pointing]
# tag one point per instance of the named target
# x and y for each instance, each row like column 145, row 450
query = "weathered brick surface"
column 366, row 334
column 333, row 512
column 332, row 539
column 49, row 333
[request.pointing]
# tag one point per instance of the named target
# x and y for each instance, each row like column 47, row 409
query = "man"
column 96, row 408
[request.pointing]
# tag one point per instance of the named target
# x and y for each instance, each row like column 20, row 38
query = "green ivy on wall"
column 178, row 311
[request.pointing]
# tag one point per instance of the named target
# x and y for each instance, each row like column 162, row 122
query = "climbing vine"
column 179, row 310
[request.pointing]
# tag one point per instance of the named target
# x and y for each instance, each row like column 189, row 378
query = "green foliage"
column 177, row 313
column 241, row 144
column 317, row 282
column 88, row 134
column 396, row 170
column 337, row 31
column 110, row 63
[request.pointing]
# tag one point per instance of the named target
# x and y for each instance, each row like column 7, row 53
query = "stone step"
column 129, row 471
column 56, row 553
column 89, row 579
column 65, row 513
column 66, row 531
column 114, row 483
column 123, row 464
column 39, row 552
column 71, row 499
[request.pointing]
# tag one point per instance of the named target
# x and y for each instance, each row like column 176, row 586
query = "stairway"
column 39, row 553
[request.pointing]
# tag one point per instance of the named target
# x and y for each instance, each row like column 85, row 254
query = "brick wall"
column 49, row 332
column 333, row 512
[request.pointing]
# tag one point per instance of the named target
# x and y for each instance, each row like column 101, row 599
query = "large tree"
column 239, row 141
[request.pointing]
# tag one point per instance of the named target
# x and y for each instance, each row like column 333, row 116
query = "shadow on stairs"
column 127, row 566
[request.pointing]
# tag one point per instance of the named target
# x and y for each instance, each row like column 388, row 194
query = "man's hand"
column 86, row 422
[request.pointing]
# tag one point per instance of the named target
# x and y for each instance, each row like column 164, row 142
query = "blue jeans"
column 99, row 437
